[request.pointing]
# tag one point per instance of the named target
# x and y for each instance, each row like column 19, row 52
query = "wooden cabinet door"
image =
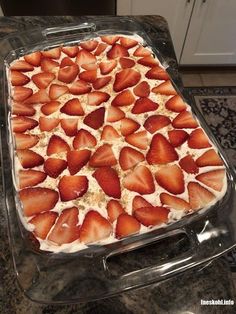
column 211, row 37
column 176, row 12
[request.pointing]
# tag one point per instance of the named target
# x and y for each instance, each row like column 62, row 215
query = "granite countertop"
column 181, row 294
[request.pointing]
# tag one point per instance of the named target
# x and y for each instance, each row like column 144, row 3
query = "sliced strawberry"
column 53, row 53
column 66, row 62
column 117, row 51
column 109, row 181
column 157, row 73
column 101, row 82
column 109, row 133
column 29, row 159
column 21, row 65
column 71, row 51
column 165, row 88
column 30, row 178
column 114, row 114
column 56, row 91
column 142, row 52
column 128, row 126
column 57, row 145
column 126, row 225
column 20, row 109
column 100, row 48
column 114, row 209
column 176, row 104
column 156, row 122
column 129, row 157
column 66, row 229
column 126, row 63
column 152, row 216
column 84, row 139
column 88, row 76
column 148, row 61
column 33, row 58
column 188, row 164
column 139, row 202
column 43, row 223
column 72, row 187
column 177, row 137
column 89, row 45
column 138, row 139
column 73, row 108
column 110, row 39
column 126, row 78
column 90, row 66
column 37, row 200
column 107, row 67
column 24, row 141
column 174, row 202
column 39, row 97
column 77, row 159
column 96, row 98
column 140, row 180
column 22, row 124
column 128, row 42
column 143, row 105
column 171, row 178
column 68, row 73
column 95, row 119
column 48, row 65
column 70, row 126
column 80, row 87
column 48, row 124
column 161, row 151
column 214, row 179
column 209, row 158
column 199, row 196
column 18, row 78
column 50, row 107
column 84, row 57
column 94, row 228
column 198, row 139
column 102, row 157
column 125, row 98
column 20, row 93
column 43, row 79
column 142, row 89
column 184, row 120
column 54, row 167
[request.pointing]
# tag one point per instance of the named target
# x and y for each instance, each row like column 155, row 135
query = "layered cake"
column 104, row 147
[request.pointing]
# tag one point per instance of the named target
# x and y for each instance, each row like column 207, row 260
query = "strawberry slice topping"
column 37, row 200
column 43, row 223
column 165, row 88
column 177, row 137
column 22, row 124
column 48, row 65
column 29, row 158
column 24, row 141
column 71, row 51
column 39, row 97
column 101, row 82
column 148, row 61
column 48, row 124
column 107, row 67
column 21, row 65
column 142, row 89
column 66, row 62
column 114, row 114
column 126, row 78
column 176, row 104
column 140, row 180
column 70, row 126
column 20, row 93
column 89, row 45
column 156, row 122
column 128, row 42
column 152, row 216
column 84, row 139
column 184, row 120
column 56, row 91
column 139, row 202
column 126, row 225
column 126, row 63
column 109, row 39
column 20, row 109
column 50, row 107
column 80, row 87
column 77, row 160
column 114, row 210
column 109, row 133
column 72, row 187
column 214, row 179
column 57, row 145
column 138, row 139
column 161, row 151
column 54, row 167
column 66, row 229
column 30, row 177
column 85, row 57
column 125, row 98
column 174, row 202
column 95, row 119
column 198, row 139
column 53, row 53
column 142, row 52
column 96, row 98
column 129, row 157
column 103, row 156
column 73, row 107
column 94, row 228
column 117, row 51
column 128, row 126
column 188, row 164
column 198, row 196
column 157, row 73
column 209, row 158
column 100, row 48
column 143, row 105
column 171, row 178
column 18, row 78
column 68, row 73
column 88, row 76
column 43, row 79
column 33, row 58
column 109, row 181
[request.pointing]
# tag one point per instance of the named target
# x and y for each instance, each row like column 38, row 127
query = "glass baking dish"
column 96, row 272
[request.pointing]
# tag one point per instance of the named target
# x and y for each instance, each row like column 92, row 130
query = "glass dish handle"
column 54, row 31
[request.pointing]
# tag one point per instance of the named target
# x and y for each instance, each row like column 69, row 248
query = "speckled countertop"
column 181, row 294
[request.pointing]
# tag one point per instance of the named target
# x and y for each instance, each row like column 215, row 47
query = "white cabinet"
column 211, row 36
column 176, row 12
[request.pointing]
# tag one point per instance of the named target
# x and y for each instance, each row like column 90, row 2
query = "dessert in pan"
column 104, row 147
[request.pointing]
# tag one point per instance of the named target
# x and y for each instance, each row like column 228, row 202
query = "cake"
column 104, row 147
